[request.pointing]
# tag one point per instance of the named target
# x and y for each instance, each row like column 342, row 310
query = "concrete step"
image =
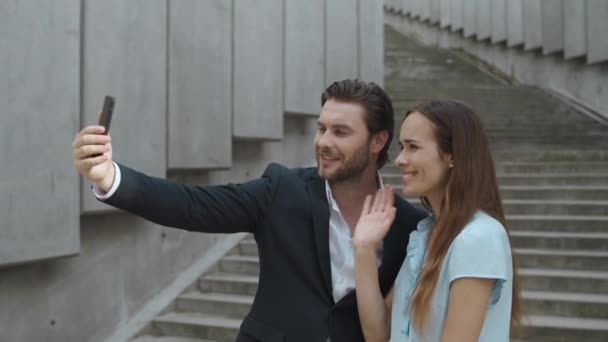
column 223, row 304
column 561, row 223
column 245, row 247
column 168, row 339
column 229, row 283
column 504, row 104
column 552, row 167
column 561, row 280
column 575, row 259
column 246, row 265
column 530, row 167
column 541, row 192
column 546, row 207
column 188, row 324
column 551, row 154
column 528, row 179
column 566, row 304
column 586, row 179
column 543, row 328
column 560, row 240
column 555, row 207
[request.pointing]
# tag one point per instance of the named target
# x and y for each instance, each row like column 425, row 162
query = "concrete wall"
column 542, row 39
column 206, row 92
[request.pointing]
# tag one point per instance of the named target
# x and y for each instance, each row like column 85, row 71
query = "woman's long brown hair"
column 471, row 186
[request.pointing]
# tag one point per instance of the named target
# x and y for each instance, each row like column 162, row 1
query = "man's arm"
column 213, row 209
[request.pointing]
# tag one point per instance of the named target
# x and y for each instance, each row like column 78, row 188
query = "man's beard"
column 351, row 168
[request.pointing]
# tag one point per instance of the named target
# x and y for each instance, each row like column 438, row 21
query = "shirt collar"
column 330, row 196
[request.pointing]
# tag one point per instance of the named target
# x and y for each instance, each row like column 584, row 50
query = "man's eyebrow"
column 343, row 126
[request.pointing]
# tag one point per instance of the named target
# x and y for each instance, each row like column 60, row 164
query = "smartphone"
column 106, row 113
column 106, row 116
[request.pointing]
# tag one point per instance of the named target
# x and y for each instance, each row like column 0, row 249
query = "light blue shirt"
column 481, row 250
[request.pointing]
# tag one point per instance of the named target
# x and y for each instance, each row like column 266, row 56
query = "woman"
column 458, row 281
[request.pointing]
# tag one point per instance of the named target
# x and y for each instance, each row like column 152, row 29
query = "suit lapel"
column 320, row 217
column 393, row 247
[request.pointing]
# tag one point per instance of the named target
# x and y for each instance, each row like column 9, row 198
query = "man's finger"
column 88, row 150
column 93, row 129
column 88, row 163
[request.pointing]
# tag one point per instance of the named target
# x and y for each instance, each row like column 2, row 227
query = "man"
column 302, row 219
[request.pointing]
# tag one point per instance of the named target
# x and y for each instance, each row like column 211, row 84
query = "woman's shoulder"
column 482, row 230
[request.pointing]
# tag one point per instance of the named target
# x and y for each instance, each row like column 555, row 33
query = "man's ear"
column 379, row 140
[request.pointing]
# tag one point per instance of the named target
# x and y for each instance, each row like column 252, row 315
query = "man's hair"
column 379, row 113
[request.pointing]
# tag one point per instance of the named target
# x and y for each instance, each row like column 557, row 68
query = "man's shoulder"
column 298, row 173
column 407, row 211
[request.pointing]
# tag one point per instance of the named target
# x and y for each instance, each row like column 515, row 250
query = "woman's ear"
column 379, row 140
column 450, row 161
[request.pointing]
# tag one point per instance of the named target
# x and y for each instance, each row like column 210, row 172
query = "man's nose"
column 325, row 139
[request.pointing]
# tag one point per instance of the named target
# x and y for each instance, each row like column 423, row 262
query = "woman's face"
column 423, row 167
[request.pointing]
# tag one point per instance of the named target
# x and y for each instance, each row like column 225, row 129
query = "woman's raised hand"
column 376, row 218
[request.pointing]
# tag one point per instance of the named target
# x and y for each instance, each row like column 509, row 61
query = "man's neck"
column 350, row 194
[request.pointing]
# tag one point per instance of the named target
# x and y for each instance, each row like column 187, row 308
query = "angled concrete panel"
column 575, row 30
column 405, row 6
column 470, row 15
column 445, row 13
column 499, row 21
column 456, row 14
column 409, row 7
column 533, row 30
column 597, row 31
column 39, row 93
column 200, row 84
column 553, row 24
column 342, row 41
column 483, row 19
column 258, row 69
column 125, row 56
column 371, row 43
column 304, row 55
column 425, row 9
column 435, row 11
column 515, row 23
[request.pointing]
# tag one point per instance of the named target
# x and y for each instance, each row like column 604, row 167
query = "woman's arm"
column 374, row 222
column 374, row 311
column 467, row 304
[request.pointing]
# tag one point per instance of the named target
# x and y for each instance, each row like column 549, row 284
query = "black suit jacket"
column 287, row 211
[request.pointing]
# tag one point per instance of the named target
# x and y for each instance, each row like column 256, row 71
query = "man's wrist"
column 106, row 184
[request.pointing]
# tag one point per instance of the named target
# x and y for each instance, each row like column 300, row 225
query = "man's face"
column 342, row 142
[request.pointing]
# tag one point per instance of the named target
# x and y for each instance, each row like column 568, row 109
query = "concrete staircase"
column 552, row 163
column 211, row 309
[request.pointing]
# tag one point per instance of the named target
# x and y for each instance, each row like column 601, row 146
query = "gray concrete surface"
column 200, row 84
column 304, row 55
column 341, row 46
column 258, row 72
column 552, row 19
column 39, row 198
column 515, row 22
column 59, row 60
column 532, row 24
column 597, row 26
column 575, row 42
column 125, row 55
column 574, row 79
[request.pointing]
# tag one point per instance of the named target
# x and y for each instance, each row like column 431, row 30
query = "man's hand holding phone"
column 92, row 150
